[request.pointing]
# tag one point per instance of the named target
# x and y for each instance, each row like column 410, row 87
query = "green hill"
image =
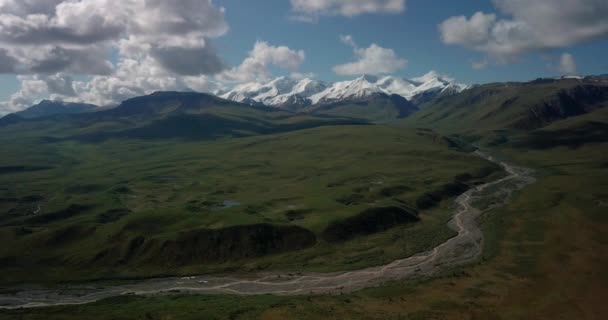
column 514, row 106
column 49, row 108
column 379, row 108
column 164, row 115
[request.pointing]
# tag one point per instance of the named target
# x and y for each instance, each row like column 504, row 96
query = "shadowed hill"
column 48, row 108
column 166, row 115
column 515, row 106
column 377, row 108
column 166, row 102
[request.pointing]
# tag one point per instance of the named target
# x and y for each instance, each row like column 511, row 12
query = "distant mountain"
column 280, row 92
column 172, row 115
column 9, row 119
column 357, row 89
column 48, row 108
column 515, row 105
column 376, row 107
column 292, row 94
column 165, row 103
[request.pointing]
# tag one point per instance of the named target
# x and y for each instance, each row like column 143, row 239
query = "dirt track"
column 463, row 248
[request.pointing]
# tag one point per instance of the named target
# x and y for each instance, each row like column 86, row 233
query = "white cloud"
column 300, row 76
column 256, row 67
column 132, row 78
column 60, row 84
column 533, row 25
column 160, row 44
column 567, row 65
column 310, row 10
column 138, row 72
column 473, row 31
column 31, row 88
column 371, row 60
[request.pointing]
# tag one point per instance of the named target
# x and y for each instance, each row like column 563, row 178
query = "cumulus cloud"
column 310, row 10
column 371, row 60
column 567, row 65
column 68, row 30
column 60, row 84
column 465, row 31
column 189, row 61
column 532, row 25
column 122, row 48
column 49, row 60
column 31, row 88
column 256, row 67
column 131, row 78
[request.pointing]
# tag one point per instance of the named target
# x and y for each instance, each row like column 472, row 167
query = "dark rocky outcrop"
column 370, row 221
column 231, row 243
column 566, row 103
column 432, row 198
column 458, row 186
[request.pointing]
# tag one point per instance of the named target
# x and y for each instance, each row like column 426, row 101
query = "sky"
column 105, row 51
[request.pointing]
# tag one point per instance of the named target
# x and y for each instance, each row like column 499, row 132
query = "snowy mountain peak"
column 433, row 76
column 283, row 91
column 308, row 87
column 367, row 78
column 361, row 87
column 277, row 92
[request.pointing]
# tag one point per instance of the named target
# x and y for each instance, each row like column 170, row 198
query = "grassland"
column 114, row 209
column 543, row 253
column 543, row 260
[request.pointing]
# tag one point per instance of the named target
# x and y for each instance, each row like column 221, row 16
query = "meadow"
column 114, row 209
column 543, row 260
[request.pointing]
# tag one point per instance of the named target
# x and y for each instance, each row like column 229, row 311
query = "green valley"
column 292, row 194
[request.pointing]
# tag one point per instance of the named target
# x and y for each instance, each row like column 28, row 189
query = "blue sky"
column 510, row 40
column 413, row 35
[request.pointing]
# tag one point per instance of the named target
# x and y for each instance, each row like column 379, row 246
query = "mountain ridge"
column 514, row 106
column 53, row 107
column 284, row 92
column 367, row 97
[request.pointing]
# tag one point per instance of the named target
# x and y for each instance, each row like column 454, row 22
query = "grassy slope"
column 296, row 178
column 495, row 110
column 378, row 109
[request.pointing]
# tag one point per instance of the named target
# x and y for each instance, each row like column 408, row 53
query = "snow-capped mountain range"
column 284, row 91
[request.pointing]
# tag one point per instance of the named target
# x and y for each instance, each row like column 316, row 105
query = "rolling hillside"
column 165, row 115
column 376, row 108
column 514, row 106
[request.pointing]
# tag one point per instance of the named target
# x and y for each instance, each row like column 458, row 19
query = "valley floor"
column 543, row 259
column 318, row 200
column 463, row 248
